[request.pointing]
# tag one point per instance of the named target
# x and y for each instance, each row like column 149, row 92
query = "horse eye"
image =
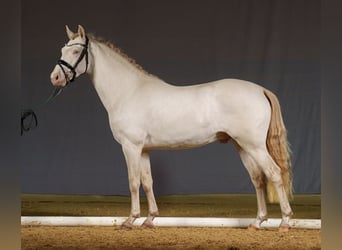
column 75, row 52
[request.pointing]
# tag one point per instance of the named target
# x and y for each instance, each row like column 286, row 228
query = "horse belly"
column 178, row 142
column 184, row 132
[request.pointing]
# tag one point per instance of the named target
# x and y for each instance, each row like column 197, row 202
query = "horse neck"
column 113, row 76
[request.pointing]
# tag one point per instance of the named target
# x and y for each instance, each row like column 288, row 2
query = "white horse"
column 147, row 113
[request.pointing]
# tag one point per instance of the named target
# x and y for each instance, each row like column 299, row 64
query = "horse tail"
column 278, row 148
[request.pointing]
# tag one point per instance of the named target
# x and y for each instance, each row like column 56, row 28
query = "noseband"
column 72, row 69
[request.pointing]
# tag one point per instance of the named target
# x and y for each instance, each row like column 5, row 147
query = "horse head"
column 74, row 58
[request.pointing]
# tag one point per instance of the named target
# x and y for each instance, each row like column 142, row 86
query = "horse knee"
column 134, row 185
column 146, row 180
column 147, row 184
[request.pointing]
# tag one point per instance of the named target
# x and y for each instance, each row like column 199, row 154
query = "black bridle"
column 72, row 69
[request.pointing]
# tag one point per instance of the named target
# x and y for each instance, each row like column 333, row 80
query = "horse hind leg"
column 273, row 173
column 258, row 180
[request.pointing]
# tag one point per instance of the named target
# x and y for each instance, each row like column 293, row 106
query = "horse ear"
column 81, row 31
column 70, row 34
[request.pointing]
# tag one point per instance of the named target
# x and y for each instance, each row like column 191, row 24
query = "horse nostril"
column 54, row 77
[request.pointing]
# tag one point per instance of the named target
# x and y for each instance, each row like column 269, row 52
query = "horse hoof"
column 284, row 229
column 251, row 227
column 126, row 227
column 147, row 225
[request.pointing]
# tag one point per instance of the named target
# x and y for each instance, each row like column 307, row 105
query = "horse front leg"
column 147, row 182
column 133, row 160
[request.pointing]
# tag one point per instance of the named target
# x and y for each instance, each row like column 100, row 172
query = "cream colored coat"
column 147, row 113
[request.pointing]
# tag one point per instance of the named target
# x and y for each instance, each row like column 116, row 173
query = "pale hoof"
column 251, row 227
column 147, row 225
column 284, row 229
column 126, row 226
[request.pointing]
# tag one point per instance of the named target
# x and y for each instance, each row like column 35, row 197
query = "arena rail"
column 163, row 222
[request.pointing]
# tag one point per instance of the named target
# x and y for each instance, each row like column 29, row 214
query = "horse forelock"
column 74, row 36
column 117, row 50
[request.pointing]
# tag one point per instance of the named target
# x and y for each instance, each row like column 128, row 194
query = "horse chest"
column 126, row 128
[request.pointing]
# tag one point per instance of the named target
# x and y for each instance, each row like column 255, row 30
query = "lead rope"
column 28, row 116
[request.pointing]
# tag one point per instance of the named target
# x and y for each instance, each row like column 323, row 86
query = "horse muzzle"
column 57, row 77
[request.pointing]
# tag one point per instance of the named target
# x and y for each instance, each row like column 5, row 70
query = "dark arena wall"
column 272, row 43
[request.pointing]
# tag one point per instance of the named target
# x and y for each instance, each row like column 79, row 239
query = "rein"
column 29, row 119
column 28, row 116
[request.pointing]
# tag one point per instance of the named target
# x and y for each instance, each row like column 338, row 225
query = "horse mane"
column 117, row 50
